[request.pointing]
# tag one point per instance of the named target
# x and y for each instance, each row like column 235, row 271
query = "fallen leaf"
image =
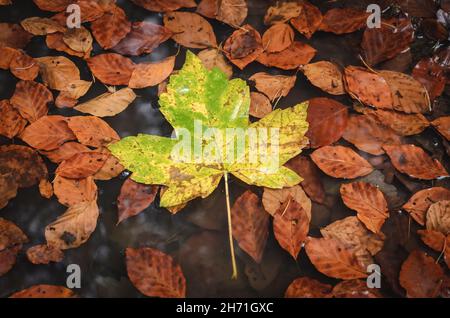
column 45, row 189
column 10, row 235
column 31, row 99
column 8, row 259
column 345, row 20
column 74, row 227
column 54, row 5
column 282, row 12
column 71, row 192
column 309, row 20
column 322, row 114
column 442, row 125
column 274, row 199
column 56, row 42
column 134, row 198
column 92, row 131
column 260, row 105
column 108, row 104
column 421, row 276
column 45, row 291
column 431, row 75
column 354, row 289
column 165, row 5
column 243, row 46
column 8, row 189
column 154, row 273
column 438, row 217
column 212, row 58
column 6, row 56
column 24, row 67
column 43, row 254
column 277, row 38
column 65, row 151
column 293, row 57
column 77, row 89
column 14, row 36
column 326, row 76
column 415, row 162
column 111, row 28
column 79, row 39
column 110, row 169
column 433, row 239
column 58, row 72
column 11, row 123
column 82, row 165
column 190, row 30
column 111, row 68
column 341, row 162
column 232, row 12
column 334, row 259
column 418, row 205
column 151, row 74
column 273, row 86
column 41, row 26
column 305, row 287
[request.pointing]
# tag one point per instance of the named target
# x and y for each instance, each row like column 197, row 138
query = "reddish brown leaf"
column 43, row 254
column 8, row 259
column 53, row 5
column 278, row 38
column 260, row 105
column 154, row 273
column 6, row 56
column 212, row 58
column 243, row 46
column 14, row 36
column 442, row 125
column 421, row 276
column 326, row 76
column 431, row 75
column 282, row 12
column 92, row 131
column 433, row 239
column 134, row 198
column 354, row 289
column 82, row 165
column 334, row 259
column 58, row 72
column 293, row 57
column 111, row 68
column 71, row 192
column 368, row 201
column 291, row 226
column 151, row 74
column 11, row 123
column 415, row 162
column 421, row 201
column 8, row 188
column 45, row 291
column 65, row 151
column 341, row 162
column 111, row 28
column 438, row 217
column 345, row 20
column 273, row 199
column 56, row 42
column 24, row 67
column 309, row 20
column 31, row 99
column 273, row 86
column 305, row 287
column 165, row 5
column 143, row 38
column 10, row 235
column 250, row 225
column 45, row 189
column 111, row 169
column 324, row 113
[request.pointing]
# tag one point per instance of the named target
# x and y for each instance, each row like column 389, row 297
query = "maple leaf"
column 208, row 98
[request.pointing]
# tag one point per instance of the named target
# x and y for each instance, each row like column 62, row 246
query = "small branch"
column 230, row 228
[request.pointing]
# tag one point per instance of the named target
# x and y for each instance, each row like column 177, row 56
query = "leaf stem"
column 230, row 228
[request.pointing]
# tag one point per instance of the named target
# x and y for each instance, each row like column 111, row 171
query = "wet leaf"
column 345, row 20
column 433, row 239
column 71, row 192
column 243, row 46
column 151, row 74
column 108, row 104
column 110, row 169
column 213, row 58
column 154, row 273
column 421, row 201
column 293, row 57
column 260, row 105
column 45, row 291
column 65, row 151
column 79, row 39
column 11, row 123
column 282, row 12
column 74, row 227
column 43, row 254
column 82, row 165
column 431, row 75
column 165, row 5
column 354, row 289
column 326, row 76
column 273, row 86
column 56, row 42
column 53, row 5
column 45, row 189
column 305, row 287
column 111, row 68
column 274, row 199
column 341, row 162
column 92, row 131
column 14, row 36
column 41, row 26
column 415, row 162
column 31, row 99
column 134, row 198
column 8, row 188
column 334, row 259
column 58, row 72
column 442, row 125
column 438, row 217
column 8, row 259
column 190, row 30
column 111, row 28
column 278, row 38
column 24, row 67
column 309, row 20
column 10, row 235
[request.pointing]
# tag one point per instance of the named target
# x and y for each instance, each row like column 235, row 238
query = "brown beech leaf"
column 415, row 162
column 291, row 226
column 56, row 42
column 431, row 75
column 111, row 169
column 48, row 133
column 71, row 192
column 368, row 201
column 282, row 12
column 111, row 68
column 54, row 6
column 31, row 99
column 14, row 36
column 438, row 217
column 10, row 235
column 278, row 38
column 111, row 28
column 79, row 39
column 154, row 273
column 402, row 124
column 354, row 235
column 334, row 259
column 369, row 135
column 345, row 20
column 45, row 291
column 250, row 225
column 77, row 89
column 442, row 125
column 190, row 30
column 368, row 87
column 214, row 58
column 58, row 72
column 309, row 20
column 65, row 151
column 322, row 114
column 134, row 198
column 419, row 8
column 433, row 239
column 409, row 96
column 92, row 131
column 11, row 123
column 273, row 86
column 74, row 227
column 354, row 289
column 24, row 67
column 305, row 287
column 293, row 57
column 8, row 189
column 243, row 46
column 232, row 12
column 421, row 276
column 341, row 162
column 43, row 254
column 108, row 104
column 273, row 199
column 326, row 76
column 82, row 165
column 8, row 258
column 165, row 5
column 6, row 56
column 41, row 26
column 381, row 44
column 152, row 74
column 260, row 105
column 311, row 183
column 418, row 205
column 45, row 189
column 144, row 37
column 92, row 10
column 23, row 164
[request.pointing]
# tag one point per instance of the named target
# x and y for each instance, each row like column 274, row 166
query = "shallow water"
column 197, row 236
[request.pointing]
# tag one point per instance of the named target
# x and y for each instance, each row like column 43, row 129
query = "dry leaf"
column 24, row 67
column 6, row 56
column 53, row 5
column 111, row 68
column 433, row 239
column 165, row 5
column 273, row 86
column 273, row 199
column 111, row 169
column 260, row 105
column 345, row 20
column 213, row 58
column 431, row 75
column 45, row 189
column 41, row 26
column 282, row 12
column 92, row 131
column 71, row 192
column 418, row 205
column 442, row 125
column 438, row 217
column 111, row 28
column 79, row 39
column 108, row 104
column 14, row 36
column 56, row 42
column 11, row 123
column 45, row 291
column 243, row 46
column 326, row 76
column 31, row 99
column 305, row 287
column 293, row 57
column 65, row 151
column 82, row 165
column 354, row 289
column 151, row 74
column 309, row 20
column 278, row 38
column 43, row 254
column 58, row 72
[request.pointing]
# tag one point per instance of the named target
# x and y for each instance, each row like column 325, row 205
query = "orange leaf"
column 43, row 254
column 111, row 28
column 92, row 131
column 305, row 287
column 45, row 291
column 421, row 201
column 11, row 123
column 31, row 99
column 71, row 192
column 243, row 46
column 112, row 68
column 293, row 57
column 82, row 165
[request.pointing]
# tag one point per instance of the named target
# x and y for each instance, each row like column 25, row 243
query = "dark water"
column 197, row 236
